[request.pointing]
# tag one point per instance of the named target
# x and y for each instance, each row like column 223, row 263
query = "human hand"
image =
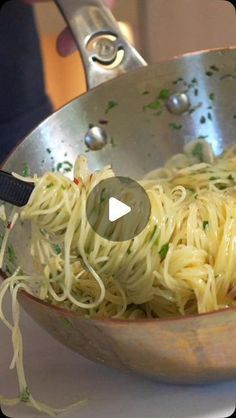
column 65, row 41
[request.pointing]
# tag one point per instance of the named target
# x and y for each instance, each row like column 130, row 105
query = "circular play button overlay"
column 118, row 208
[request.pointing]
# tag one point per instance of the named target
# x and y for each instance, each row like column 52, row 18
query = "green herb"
column 25, row 395
column 209, row 73
column 209, row 116
column 110, row 105
column 65, row 154
column 129, row 251
column 11, row 254
column 198, row 152
column 212, row 96
column 174, row 126
column 196, row 92
column 63, row 187
column 145, row 92
column 48, row 150
column 50, row 185
column 214, row 68
column 214, row 178
column 203, row 136
column 57, row 249
column 163, row 251
column 113, row 143
column 67, row 323
column 203, row 119
column 194, row 81
column 64, row 166
column 164, row 94
column 156, row 104
column 43, row 161
column 25, row 170
column 190, row 189
column 221, row 186
column 205, row 224
column 230, row 177
column 103, row 195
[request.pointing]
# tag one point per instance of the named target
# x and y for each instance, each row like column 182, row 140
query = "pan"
column 134, row 117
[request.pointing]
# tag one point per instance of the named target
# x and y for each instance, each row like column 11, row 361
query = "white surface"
column 117, row 209
column 58, row 376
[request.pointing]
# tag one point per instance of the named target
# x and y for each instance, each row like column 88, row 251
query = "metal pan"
column 135, row 122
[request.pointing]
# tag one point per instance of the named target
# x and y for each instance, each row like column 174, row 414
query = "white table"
column 58, row 376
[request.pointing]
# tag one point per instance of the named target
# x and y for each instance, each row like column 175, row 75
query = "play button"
column 118, row 208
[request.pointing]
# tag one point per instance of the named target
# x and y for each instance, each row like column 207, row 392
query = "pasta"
column 182, row 263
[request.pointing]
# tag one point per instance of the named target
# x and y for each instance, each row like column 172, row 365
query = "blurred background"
column 160, row 29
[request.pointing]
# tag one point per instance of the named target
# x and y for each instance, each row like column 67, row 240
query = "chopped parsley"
column 214, row 68
column 25, row 170
column 64, row 166
column 103, row 195
column 25, row 395
column 203, row 119
column 209, row 115
column 205, row 224
column 212, row 178
column 156, row 104
column 11, row 254
column 164, row 94
column 50, row 185
column 212, row 96
column 198, row 152
column 196, row 92
column 163, row 251
column 48, row 150
column 175, row 126
column 67, row 323
column 57, row 249
column 230, row 177
column 110, row 105
column 144, row 93
column 209, row 73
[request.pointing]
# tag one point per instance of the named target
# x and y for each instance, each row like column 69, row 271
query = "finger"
column 65, row 43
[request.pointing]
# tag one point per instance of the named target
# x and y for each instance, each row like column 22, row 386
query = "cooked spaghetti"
column 183, row 262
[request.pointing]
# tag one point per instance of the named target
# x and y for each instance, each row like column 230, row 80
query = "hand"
column 65, row 42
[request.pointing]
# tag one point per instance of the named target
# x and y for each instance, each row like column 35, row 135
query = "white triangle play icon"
column 117, row 209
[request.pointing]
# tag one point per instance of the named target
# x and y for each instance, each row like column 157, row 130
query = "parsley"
column 57, row 249
column 212, row 178
column 103, row 195
column 230, row 177
column 110, row 105
column 163, row 251
column 48, row 150
column 198, row 152
column 212, row 96
column 25, row 170
column 164, row 94
column 203, row 119
column 174, row 126
column 209, row 73
column 11, row 254
column 50, row 185
column 64, row 166
column 156, row 104
column 196, row 92
column 67, row 323
column 144, row 93
column 205, row 224
column 209, row 116
column 25, row 395
column 214, row 68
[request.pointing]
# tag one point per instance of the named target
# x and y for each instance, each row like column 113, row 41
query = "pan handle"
column 104, row 50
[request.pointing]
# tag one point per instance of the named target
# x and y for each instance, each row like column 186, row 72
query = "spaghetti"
column 183, row 262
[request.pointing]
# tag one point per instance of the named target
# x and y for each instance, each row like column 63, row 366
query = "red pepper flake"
column 77, row 181
column 9, row 225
